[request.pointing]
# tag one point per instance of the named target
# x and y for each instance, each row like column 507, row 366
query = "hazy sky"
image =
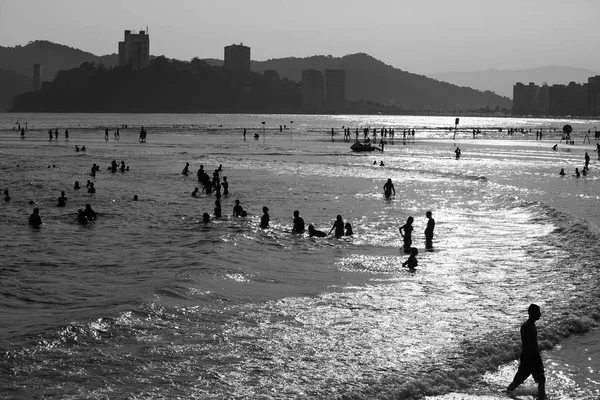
column 420, row 36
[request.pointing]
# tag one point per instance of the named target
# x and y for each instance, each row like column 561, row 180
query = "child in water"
column 412, row 262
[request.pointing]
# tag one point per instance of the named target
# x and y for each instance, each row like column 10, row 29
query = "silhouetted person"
column 89, row 213
column 406, row 233
column 237, row 209
column 34, row 219
column 81, row 217
column 349, row 231
column 195, row 192
column 530, row 362
column 91, row 188
column 244, row 133
column 562, row 172
column 218, row 212
column 338, row 225
column 225, row 186
column 6, row 195
column 264, row 220
column 429, row 230
column 298, row 223
column 135, row 197
column 76, row 185
column 205, row 218
column 412, row 261
column 457, row 152
column 388, row 188
column 555, row 147
column 587, row 159
column 314, row 232
column 186, row 169
column 576, row 172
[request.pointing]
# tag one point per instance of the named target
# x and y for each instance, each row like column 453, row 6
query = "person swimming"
column 89, row 213
column 312, row 232
column 34, row 219
column 76, row 186
column 562, row 172
column 205, row 218
column 81, row 217
column 135, row 197
column 91, row 188
column 195, row 192
column 349, row 231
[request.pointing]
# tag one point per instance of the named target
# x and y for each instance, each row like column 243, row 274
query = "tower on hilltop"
column 237, row 57
column 135, row 50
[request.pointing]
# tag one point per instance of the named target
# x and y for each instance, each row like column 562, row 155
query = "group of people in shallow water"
column 584, row 170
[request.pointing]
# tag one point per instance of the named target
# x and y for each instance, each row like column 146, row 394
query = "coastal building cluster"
column 324, row 91
column 573, row 99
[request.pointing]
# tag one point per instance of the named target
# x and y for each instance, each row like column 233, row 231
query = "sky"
column 419, row 36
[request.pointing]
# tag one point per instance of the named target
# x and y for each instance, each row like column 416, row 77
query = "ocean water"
column 148, row 302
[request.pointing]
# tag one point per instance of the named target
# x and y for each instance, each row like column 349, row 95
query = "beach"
column 150, row 302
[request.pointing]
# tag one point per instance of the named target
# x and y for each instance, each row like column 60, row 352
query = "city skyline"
column 424, row 38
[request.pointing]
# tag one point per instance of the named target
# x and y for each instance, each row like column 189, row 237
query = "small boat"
column 357, row 146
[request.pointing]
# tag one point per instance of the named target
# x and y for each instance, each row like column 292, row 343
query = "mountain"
column 53, row 57
column 502, row 81
column 370, row 79
column 12, row 84
column 367, row 78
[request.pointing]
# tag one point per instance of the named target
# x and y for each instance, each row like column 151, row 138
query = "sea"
column 150, row 302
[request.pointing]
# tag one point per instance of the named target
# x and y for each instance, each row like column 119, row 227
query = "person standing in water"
column 429, row 230
column 264, row 220
column 388, row 188
column 530, row 362
column 298, row 223
column 406, row 233
column 34, row 219
column 338, row 225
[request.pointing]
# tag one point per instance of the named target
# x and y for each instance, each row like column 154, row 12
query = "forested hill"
column 169, row 86
column 53, row 57
column 370, row 79
column 12, row 83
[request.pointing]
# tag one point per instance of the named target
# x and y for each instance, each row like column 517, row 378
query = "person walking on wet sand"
column 530, row 362
column 406, row 233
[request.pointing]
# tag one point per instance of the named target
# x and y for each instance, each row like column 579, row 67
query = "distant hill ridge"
column 502, row 81
column 366, row 77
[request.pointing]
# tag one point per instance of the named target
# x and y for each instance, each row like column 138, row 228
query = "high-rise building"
column 526, row 98
column 571, row 99
column 312, row 90
column 237, row 57
column 37, row 77
column 594, row 95
column 335, row 90
column 135, row 50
